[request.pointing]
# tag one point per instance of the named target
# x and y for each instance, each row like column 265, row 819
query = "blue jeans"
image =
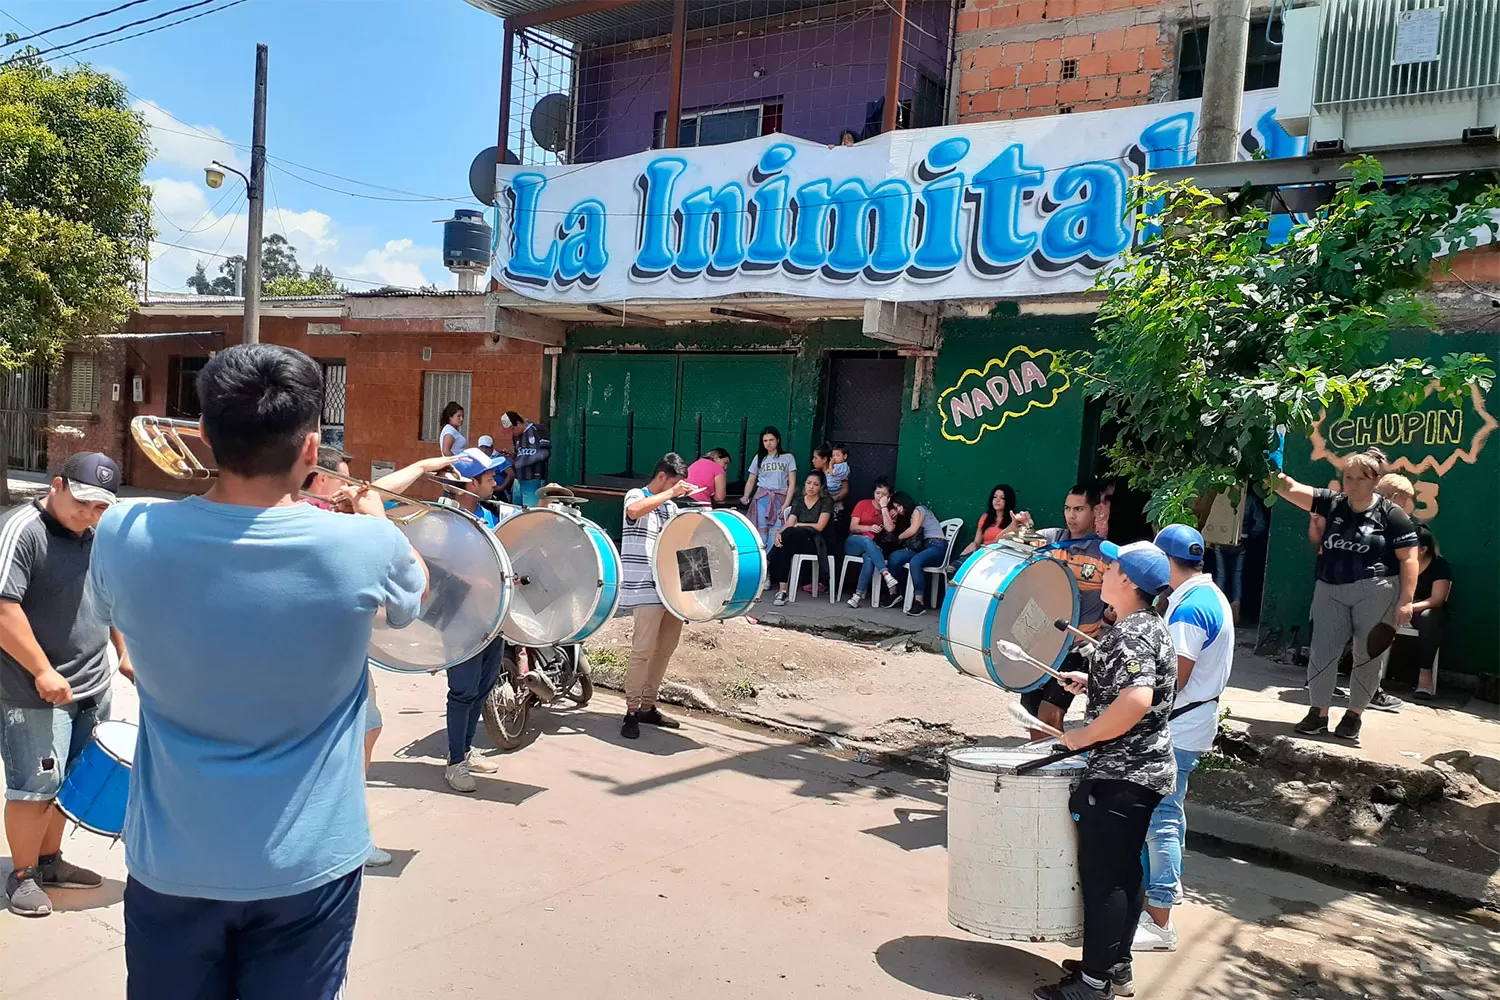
column 864, row 547
column 915, row 562
column 1229, row 573
column 526, row 491
column 469, row 684
column 39, row 745
column 286, row 948
column 1162, row 855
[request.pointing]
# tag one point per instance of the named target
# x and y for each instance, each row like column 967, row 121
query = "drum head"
column 557, row 572
column 1035, row 595
column 469, row 594
column 697, row 566
column 1004, row 760
column 117, row 739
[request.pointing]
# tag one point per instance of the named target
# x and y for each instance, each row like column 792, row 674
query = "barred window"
column 438, row 390
column 83, row 383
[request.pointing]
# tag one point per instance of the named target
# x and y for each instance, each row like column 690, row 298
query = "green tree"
column 280, row 273
column 74, row 214
column 319, row 281
column 1211, row 337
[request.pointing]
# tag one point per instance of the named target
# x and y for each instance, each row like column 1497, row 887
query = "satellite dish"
column 549, row 122
column 482, row 174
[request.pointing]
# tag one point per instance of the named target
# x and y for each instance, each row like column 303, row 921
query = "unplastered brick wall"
column 1028, row 58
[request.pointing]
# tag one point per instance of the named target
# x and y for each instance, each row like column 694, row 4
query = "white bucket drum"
column 1007, row 591
column 567, row 574
column 1013, row 846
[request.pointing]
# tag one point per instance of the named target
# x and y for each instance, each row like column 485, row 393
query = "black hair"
column 329, row 457
column 905, row 501
column 1426, row 539
column 850, row 133
column 818, row 475
column 879, row 482
column 718, row 454
column 1010, row 506
column 824, row 451
column 671, row 464
column 838, row 446
column 1191, row 565
column 259, row 402
column 760, row 451
column 448, row 411
column 1089, row 492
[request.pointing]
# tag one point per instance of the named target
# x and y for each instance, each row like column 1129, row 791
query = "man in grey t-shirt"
column 54, row 670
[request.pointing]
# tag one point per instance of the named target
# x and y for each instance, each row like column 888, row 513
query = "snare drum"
column 1011, row 592
column 469, row 595
column 98, row 784
column 567, row 576
column 709, row 564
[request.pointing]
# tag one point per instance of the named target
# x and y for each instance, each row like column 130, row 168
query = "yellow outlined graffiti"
column 1038, row 374
column 1487, row 424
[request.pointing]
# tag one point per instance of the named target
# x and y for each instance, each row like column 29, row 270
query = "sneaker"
column 480, row 764
column 59, row 874
column 1348, row 728
column 780, row 600
column 1121, row 977
column 631, row 729
column 1386, row 702
column 853, row 602
column 458, row 777
column 1423, row 695
column 1312, row 724
column 1074, row 988
column 377, row 858
column 894, row 598
column 891, row 585
column 917, row 609
column 1149, row 937
column 24, row 895
column 652, row 717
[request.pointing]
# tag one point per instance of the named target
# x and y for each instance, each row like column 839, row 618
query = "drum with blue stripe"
column 709, row 564
column 1008, row 591
column 98, row 784
column 567, row 573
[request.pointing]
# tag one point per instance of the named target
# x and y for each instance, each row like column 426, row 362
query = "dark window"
column 1262, row 61
column 1070, row 69
column 714, row 126
column 182, row 387
column 929, row 106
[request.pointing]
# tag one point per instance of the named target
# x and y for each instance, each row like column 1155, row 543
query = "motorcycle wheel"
column 582, row 691
column 506, row 726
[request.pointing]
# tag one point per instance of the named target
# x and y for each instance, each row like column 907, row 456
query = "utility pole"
column 257, row 193
column 1223, row 82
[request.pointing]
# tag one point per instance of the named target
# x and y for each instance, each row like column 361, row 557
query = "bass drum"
column 709, row 564
column 469, row 594
column 567, row 576
column 1008, row 591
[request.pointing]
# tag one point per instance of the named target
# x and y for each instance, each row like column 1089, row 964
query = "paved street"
column 722, row 862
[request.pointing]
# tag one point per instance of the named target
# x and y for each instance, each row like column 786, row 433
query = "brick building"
column 1028, row 58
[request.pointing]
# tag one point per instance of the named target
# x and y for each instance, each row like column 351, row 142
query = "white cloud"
column 191, row 147
column 399, row 262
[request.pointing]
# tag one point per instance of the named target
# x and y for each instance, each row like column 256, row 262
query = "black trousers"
column 796, row 540
column 1112, row 820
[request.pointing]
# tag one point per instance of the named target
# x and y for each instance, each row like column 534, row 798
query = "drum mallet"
column 1063, row 626
column 1011, row 651
column 1030, row 721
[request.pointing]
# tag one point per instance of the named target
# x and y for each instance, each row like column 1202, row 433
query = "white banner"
column 992, row 210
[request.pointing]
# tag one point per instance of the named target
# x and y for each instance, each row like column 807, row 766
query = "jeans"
column 39, row 745
column 1162, row 855
column 916, row 562
column 864, row 547
column 286, row 948
column 1112, row 820
column 1229, row 573
column 469, row 684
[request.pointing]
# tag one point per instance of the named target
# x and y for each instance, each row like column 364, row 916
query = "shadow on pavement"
column 428, row 776
column 960, row 967
column 915, row 829
column 399, row 861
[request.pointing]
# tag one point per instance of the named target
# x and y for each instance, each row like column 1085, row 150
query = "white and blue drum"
column 98, row 784
column 1008, row 591
column 567, row 573
column 709, row 564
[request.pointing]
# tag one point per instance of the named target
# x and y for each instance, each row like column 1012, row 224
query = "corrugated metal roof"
column 415, row 293
column 189, row 298
column 626, row 22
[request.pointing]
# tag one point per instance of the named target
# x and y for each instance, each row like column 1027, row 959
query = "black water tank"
column 467, row 240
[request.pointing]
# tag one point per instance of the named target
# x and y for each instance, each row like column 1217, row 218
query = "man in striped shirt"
column 656, row 630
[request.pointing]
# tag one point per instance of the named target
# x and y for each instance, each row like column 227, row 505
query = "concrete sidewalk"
column 722, row 862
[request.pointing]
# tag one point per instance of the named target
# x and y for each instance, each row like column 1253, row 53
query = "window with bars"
column 713, row 126
column 83, row 383
column 1262, row 60
column 438, row 390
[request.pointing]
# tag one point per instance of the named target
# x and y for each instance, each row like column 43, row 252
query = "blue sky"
column 399, row 93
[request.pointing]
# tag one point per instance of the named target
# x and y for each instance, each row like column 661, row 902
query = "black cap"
column 92, row 477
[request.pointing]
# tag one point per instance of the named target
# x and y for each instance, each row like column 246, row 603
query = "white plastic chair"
column 835, row 591
column 798, row 561
column 936, row 574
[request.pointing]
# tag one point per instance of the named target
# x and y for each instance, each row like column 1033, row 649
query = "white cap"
column 485, row 439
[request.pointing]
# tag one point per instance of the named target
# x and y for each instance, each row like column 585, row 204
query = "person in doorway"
column 1367, row 572
column 451, row 440
column 1130, row 769
column 711, row 474
column 1078, row 547
column 768, row 484
column 871, row 520
column 998, row 518
column 925, row 545
column 655, row 630
column 54, row 671
column 803, row 532
column 533, row 449
column 1202, row 628
column 246, row 833
column 1229, row 560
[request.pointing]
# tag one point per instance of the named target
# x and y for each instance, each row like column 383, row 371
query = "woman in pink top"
column 710, row 472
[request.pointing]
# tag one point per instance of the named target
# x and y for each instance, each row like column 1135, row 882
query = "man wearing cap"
column 54, row 670
column 1130, row 768
column 1202, row 627
column 533, row 448
column 486, row 444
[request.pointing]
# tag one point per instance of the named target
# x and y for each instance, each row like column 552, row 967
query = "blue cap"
column 1143, row 564
column 473, row 463
column 1181, row 541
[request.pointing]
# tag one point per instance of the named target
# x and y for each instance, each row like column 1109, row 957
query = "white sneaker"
column 377, row 858
column 458, row 777
column 480, row 764
column 1149, row 937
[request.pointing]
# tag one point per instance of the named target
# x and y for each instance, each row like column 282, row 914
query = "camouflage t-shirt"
column 1137, row 652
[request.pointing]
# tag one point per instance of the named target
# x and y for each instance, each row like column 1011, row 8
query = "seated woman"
column 999, row 518
column 711, row 473
column 925, row 545
column 1429, row 612
column 871, row 520
column 803, row 531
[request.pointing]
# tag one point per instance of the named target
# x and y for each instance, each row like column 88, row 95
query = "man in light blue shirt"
column 248, row 616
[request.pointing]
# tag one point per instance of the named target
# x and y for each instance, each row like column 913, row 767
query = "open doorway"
column 864, row 414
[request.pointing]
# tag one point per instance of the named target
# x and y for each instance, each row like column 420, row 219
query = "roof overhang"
column 1428, row 161
column 318, row 310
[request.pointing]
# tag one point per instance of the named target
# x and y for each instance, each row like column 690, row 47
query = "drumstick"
column 1011, row 651
column 1063, row 626
column 1030, row 721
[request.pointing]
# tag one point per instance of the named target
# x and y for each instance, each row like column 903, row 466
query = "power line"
column 210, row 211
column 149, row 31
column 112, row 31
column 71, row 24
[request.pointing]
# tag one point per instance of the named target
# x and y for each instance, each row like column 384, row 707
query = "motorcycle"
column 533, row 676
